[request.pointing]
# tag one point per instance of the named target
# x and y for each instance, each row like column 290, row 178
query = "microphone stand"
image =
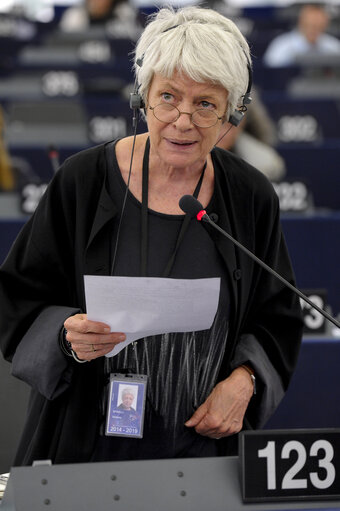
column 205, row 217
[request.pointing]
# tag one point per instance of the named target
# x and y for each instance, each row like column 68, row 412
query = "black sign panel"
column 279, row 465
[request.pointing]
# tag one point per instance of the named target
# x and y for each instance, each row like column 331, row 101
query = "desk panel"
column 313, row 397
column 318, row 167
column 323, row 115
column 8, row 232
column 314, row 246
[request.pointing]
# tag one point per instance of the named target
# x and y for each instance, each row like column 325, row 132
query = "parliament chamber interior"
column 63, row 92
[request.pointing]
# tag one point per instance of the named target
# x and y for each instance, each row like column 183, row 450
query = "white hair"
column 198, row 42
column 128, row 390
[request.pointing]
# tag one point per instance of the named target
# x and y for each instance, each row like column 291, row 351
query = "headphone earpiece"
column 237, row 116
column 247, row 98
column 136, row 101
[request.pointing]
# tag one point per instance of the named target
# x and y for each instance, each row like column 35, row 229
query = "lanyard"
column 144, row 217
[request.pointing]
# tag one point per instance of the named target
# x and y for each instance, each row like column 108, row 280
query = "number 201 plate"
column 302, row 464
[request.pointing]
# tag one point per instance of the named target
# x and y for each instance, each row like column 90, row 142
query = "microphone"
column 194, row 208
column 53, row 155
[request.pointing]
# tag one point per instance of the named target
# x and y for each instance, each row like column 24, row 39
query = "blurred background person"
column 7, row 179
column 308, row 38
column 254, row 141
column 119, row 18
column 15, row 172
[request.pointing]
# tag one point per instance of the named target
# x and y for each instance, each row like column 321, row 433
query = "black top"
column 182, row 368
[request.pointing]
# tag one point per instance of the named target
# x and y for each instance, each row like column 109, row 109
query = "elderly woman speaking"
column 114, row 210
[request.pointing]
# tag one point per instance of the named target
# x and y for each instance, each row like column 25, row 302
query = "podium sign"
column 282, row 465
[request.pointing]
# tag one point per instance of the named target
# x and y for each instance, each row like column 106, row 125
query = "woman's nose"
column 184, row 120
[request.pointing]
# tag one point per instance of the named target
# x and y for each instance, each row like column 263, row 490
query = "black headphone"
column 236, row 117
column 136, row 100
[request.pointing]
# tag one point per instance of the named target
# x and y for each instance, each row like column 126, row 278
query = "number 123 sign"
column 301, row 464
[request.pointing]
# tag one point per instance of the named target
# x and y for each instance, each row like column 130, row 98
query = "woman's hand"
column 223, row 411
column 90, row 339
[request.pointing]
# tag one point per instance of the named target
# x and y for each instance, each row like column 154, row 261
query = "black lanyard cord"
column 144, row 213
column 144, row 217
column 125, row 198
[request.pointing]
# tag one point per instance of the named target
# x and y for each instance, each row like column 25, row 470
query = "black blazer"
column 69, row 235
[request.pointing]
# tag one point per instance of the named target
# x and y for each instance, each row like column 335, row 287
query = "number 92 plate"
column 302, row 464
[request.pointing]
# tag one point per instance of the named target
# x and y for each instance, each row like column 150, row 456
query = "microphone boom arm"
column 205, row 217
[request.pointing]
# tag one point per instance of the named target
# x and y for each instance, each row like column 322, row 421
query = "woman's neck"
column 167, row 183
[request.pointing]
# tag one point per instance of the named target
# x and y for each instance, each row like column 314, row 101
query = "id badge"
column 126, row 405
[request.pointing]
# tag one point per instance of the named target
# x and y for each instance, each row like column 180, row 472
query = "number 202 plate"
column 301, row 464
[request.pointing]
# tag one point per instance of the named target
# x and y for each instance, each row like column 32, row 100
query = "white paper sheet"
column 143, row 306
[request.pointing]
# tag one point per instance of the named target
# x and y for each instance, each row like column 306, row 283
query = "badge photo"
column 126, row 405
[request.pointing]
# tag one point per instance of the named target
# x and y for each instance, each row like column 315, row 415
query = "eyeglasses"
column 169, row 113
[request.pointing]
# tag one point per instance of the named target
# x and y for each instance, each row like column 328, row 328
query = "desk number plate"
column 278, row 465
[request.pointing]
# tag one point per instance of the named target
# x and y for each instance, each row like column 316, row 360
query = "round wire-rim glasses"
column 169, row 113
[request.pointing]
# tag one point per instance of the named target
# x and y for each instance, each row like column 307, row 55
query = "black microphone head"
column 190, row 205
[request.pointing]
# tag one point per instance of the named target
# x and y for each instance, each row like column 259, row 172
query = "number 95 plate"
column 301, row 464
